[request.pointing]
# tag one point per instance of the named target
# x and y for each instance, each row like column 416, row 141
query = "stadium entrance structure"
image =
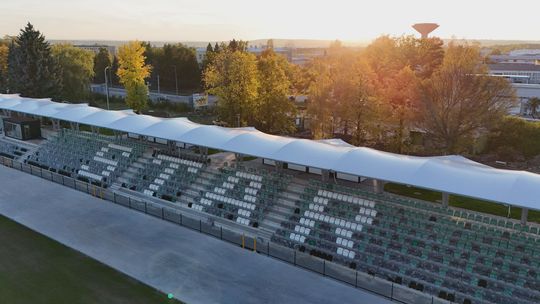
column 446, row 252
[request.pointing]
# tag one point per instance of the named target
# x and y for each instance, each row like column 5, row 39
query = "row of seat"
column 86, row 156
column 438, row 241
column 10, row 150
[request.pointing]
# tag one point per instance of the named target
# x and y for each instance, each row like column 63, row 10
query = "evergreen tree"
column 216, row 47
column 114, row 69
column 208, row 57
column 32, row 70
column 101, row 61
column 237, row 45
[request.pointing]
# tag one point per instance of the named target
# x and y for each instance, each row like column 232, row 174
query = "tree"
column 237, row 45
column 320, row 94
column 270, row 44
column 496, row 51
column 174, row 64
column 208, row 56
column 102, row 60
column 276, row 111
column 401, row 95
column 383, row 57
column 4, row 53
column 399, row 65
column 32, row 70
column 343, row 96
column 188, row 73
column 132, row 72
column 114, row 72
column 533, row 104
column 460, row 99
column 76, row 67
column 356, row 99
column 137, row 96
column 422, row 55
column 233, row 78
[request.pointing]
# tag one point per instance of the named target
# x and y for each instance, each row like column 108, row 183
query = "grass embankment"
column 461, row 202
column 36, row 269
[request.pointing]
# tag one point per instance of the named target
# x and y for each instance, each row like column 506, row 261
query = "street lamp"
column 176, row 80
column 107, row 86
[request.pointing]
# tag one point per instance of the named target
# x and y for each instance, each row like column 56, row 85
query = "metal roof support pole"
column 445, row 199
column 238, row 157
column 204, row 151
column 524, row 215
column 278, row 165
column 325, row 175
column 378, row 186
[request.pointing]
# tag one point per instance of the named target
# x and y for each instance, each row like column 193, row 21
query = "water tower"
column 425, row 28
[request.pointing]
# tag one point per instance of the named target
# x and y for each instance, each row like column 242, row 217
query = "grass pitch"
column 36, row 269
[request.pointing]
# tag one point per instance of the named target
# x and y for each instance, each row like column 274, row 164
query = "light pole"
column 176, row 80
column 107, row 85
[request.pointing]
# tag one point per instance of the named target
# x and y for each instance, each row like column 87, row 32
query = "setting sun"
column 302, row 19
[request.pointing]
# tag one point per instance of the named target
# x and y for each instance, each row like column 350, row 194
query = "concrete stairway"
column 282, row 208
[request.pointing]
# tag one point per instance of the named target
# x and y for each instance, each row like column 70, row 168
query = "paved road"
column 195, row 267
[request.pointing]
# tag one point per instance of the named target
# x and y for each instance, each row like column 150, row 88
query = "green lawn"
column 461, row 202
column 36, row 269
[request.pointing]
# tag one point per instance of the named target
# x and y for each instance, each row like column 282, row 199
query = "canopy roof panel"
column 453, row 174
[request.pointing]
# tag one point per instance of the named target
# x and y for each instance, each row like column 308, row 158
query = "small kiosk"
column 22, row 128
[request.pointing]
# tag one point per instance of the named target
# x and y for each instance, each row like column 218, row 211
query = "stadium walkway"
column 194, row 267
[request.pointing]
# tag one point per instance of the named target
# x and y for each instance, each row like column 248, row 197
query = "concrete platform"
column 196, row 268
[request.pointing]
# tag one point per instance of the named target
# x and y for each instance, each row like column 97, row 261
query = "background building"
column 517, row 72
column 95, row 47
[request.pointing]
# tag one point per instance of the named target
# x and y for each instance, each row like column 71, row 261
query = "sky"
column 217, row 20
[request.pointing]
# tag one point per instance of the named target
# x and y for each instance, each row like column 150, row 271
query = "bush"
column 97, row 99
column 516, row 135
column 507, row 153
column 165, row 105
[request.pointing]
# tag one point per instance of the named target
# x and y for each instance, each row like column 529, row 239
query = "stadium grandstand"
column 325, row 198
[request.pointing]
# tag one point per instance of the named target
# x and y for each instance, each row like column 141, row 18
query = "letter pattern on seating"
column 90, row 175
column 121, row 148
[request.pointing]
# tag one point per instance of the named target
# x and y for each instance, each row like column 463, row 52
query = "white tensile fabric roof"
column 452, row 174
